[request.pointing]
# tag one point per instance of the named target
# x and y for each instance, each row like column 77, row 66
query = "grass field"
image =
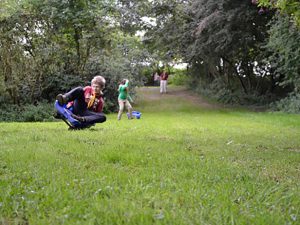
column 179, row 164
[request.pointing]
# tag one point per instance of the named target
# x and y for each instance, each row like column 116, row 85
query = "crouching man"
column 87, row 102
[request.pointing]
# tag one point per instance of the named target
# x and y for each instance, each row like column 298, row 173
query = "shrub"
column 10, row 113
column 218, row 91
column 178, row 78
column 147, row 75
column 290, row 104
column 42, row 111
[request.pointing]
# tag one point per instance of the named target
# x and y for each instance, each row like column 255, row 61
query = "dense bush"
column 178, row 77
column 290, row 104
column 42, row 111
column 217, row 90
column 59, row 83
column 147, row 74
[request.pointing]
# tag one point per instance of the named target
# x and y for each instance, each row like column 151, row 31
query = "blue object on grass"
column 135, row 114
column 67, row 114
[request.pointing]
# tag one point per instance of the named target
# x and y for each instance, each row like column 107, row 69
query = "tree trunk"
column 237, row 73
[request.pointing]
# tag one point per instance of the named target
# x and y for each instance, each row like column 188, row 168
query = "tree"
column 48, row 47
column 284, row 59
column 289, row 7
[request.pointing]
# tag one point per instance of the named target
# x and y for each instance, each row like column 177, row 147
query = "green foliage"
column 125, row 60
column 40, row 112
column 10, row 113
column 290, row 7
column 52, row 46
column 225, row 38
column 217, row 90
column 59, row 83
column 285, row 59
column 147, row 73
column 178, row 77
column 201, row 30
column 165, row 39
column 42, row 42
column 290, row 104
column 9, row 7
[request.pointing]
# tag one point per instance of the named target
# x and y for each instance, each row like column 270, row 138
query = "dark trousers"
column 80, row 107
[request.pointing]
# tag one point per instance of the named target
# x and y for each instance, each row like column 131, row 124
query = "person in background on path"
column 163, row 82
column 156, row 79
column 87, row 102
column 123, row 99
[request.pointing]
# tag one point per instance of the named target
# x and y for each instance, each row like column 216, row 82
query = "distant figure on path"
column 163, row 82
column 156, row 79
column 123, row 99
column 87, row 102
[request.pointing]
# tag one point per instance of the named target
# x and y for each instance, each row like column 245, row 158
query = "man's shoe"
column 62, row 99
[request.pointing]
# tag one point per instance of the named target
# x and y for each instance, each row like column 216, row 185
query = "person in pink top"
column 163, row 82
column 87, row 102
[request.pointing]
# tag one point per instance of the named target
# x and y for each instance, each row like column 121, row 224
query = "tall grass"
column 178, row 164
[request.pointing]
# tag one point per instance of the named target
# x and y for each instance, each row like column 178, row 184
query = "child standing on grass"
column 87, row 102
column 123, row 99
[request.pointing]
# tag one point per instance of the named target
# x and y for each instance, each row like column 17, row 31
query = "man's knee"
column 100, row 119
column 104, row 118
column 75, row 93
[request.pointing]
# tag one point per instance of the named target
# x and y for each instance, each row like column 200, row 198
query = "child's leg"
column 121, row 108
column 161, row 86
column 129, row 108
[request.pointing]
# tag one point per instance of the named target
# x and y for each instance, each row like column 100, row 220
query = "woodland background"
column 238, row 52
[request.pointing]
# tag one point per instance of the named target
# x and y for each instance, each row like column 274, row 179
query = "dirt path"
column 152, row 93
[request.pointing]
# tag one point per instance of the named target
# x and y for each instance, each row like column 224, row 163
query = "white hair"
column 99, row 80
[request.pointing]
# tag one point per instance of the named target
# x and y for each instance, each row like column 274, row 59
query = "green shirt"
column 123, row 91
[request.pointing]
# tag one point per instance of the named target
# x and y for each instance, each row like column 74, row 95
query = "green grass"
column 178, row 164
